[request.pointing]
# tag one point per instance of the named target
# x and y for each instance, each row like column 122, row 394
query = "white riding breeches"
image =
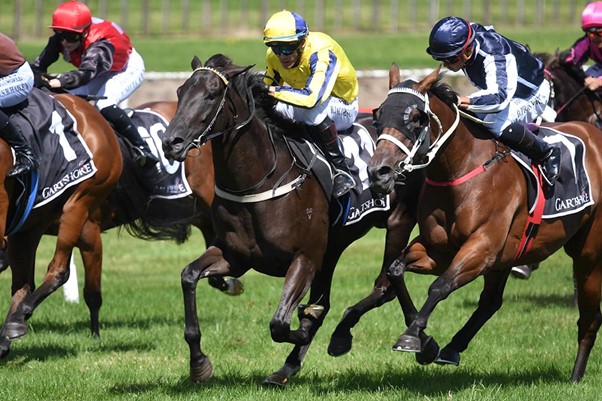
column 115, row 86
column 343, row 114
column 15, row 87
column 518, row 110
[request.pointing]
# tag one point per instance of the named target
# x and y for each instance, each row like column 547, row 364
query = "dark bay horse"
column 271, row 215
column 469, row 180
column 571, row 99
column 72, row 213
column 131, row 207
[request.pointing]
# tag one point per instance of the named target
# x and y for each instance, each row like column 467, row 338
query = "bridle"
column 235, row 195
column 206, row 136
column 407, row 164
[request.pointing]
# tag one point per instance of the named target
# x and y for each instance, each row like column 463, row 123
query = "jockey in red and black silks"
column 107, row 64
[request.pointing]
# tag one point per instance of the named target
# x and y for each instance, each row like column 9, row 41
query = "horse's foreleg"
column 311, row 317
column 425, row 347
column 298, row 279
column 341, row 339
column 399, row 228
column 210, row 263
column 465, row 267
column 90, row 246
column 490, row 302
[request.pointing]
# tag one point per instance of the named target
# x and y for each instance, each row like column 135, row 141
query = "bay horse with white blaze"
column 70, row 213
column 470, row 179
column 270, row 212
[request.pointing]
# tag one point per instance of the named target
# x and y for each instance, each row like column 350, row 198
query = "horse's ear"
column 394, row 75
column 427, row 81
column 196, row 63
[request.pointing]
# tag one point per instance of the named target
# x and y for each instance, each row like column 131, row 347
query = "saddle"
column 359, row 201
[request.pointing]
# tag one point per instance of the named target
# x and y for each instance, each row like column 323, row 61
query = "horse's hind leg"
column 22, row 262
column 90, row 247
column 588, row 281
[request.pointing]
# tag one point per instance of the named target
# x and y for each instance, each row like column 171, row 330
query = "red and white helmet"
column 591, row 18
column 71, row 16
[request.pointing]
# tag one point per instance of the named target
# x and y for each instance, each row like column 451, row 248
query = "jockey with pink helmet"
column 589, row 46
column 107, row 66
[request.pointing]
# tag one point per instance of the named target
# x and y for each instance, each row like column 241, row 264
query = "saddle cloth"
column 359, row 148
column 572, row 193
column 167, row 179
column 65, row 159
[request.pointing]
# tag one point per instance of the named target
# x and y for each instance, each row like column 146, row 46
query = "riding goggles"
column 284, row 48
column 71, row 37
column 593, row 34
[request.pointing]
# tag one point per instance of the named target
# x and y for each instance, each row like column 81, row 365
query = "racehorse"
column 71, row 213
column 469, row 180
column 270, row 212
column 571, row 99
column 130, row 206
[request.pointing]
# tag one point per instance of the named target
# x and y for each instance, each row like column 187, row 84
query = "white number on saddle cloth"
column 152, row 137
column 357, row 152
column 57, row 128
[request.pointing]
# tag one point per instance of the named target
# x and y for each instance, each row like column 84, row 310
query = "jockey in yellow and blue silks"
column 314, row 83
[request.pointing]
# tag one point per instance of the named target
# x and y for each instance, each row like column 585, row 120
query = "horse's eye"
column 212, row 95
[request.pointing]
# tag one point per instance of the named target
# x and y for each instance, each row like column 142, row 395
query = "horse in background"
column 271, row 213
column 469, row 180
column 69, row 214
column 570, row 97
column 132, row 207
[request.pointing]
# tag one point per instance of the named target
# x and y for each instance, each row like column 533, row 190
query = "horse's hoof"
column 4, row 348
column 430, row 351
column 13, row 330
column 276, row 379
column 201, row 373
column 448, row 356
column 340, row 345
column 407, row 343
column 235, row 287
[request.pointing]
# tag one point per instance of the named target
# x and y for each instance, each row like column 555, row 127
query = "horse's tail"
column 167, row 220
column 152, row 219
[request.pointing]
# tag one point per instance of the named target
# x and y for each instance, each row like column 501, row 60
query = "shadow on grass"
column 417, row 382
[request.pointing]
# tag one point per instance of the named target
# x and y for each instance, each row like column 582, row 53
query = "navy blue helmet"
column 450, row 38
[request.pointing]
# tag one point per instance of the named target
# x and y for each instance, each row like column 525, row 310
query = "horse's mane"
column 557, row 61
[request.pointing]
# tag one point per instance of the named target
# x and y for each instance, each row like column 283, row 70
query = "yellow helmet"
column 285, row 26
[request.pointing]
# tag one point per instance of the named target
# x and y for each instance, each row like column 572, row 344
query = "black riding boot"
column 25, row 159
column 518, row 137
column 126, row 128
column 328, row 134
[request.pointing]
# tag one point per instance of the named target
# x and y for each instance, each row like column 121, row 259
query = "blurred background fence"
column 28, row 19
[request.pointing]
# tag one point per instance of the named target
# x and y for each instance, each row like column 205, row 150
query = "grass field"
column 525, row 352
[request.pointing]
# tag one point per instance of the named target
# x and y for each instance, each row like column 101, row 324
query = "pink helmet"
column 591, row 18
column 71, row 16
